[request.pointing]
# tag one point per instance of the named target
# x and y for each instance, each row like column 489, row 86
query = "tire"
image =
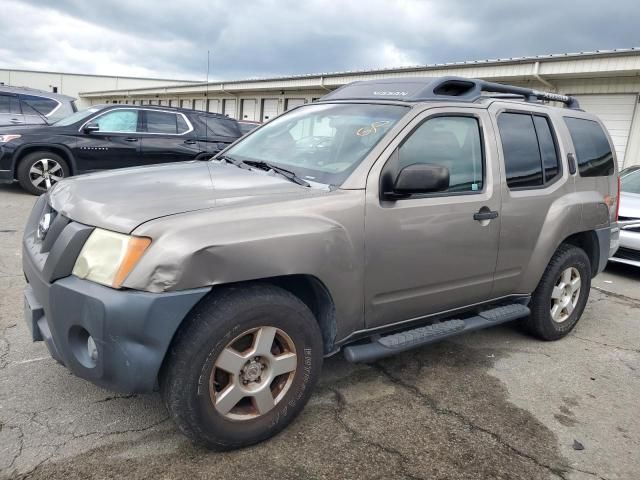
column 194, row 376
column 38, row 171
column 547, row 322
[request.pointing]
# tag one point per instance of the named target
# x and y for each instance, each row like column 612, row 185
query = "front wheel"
column 559, row 300
column 242, row 367
column 39, row 171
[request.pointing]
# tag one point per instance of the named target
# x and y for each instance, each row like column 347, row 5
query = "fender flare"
column 19, row 153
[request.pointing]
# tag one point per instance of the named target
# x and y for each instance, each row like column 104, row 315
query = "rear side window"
column 529, row 148
column 9, row 104
column 593, row 151
column 220, row 127
column 43, row 106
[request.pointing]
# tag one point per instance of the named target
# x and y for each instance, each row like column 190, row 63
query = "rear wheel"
column 558, row 302
column 242, row 367
column 39, row 171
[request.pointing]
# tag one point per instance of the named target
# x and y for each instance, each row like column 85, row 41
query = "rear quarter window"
column 593, row 152
column 42, row 105
column 220, row 127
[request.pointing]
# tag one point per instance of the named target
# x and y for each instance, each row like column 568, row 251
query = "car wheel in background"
column 39, row 171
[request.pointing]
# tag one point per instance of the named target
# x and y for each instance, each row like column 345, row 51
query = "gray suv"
column 389, row 215
column 21, row 106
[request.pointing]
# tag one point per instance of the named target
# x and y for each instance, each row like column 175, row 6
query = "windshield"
column 321, row 143
column 76, row 117
column 631, row 182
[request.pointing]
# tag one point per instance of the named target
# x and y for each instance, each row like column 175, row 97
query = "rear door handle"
column 485, row 215
column 16, row 120
column 131, row 139
column 190, row 142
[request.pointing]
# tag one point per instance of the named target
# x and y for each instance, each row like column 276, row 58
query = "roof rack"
column 420, row 89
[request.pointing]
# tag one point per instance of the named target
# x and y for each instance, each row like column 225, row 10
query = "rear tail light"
column 618, row 199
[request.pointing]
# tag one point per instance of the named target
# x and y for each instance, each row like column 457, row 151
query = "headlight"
column 8, row 138
column 108, row 257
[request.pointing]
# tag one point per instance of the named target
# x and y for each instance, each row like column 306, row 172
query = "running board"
column 408, row 339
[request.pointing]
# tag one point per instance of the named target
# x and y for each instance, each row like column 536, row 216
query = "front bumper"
column 6, row 166
column 132, row 330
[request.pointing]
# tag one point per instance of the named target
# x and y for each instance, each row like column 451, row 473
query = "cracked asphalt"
column 494, row 404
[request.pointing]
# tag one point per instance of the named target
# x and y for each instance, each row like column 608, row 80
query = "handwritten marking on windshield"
column 373, row 128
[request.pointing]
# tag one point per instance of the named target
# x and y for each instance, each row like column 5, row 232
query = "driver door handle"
column 485, row 215
column 131, row 139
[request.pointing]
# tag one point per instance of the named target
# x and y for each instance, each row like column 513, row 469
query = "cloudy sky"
column 258, row 38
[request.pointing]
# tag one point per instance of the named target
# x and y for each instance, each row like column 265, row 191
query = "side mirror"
column 420, row 178
column 91, row 127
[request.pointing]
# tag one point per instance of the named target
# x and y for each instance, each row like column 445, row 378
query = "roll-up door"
column 269, row 108
column 293, row 102
column 616, row 112
column 230, row 108
column 249, row 110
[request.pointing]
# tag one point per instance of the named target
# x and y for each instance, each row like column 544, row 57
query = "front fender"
column 221, row 246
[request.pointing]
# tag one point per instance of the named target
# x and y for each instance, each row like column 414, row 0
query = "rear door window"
column 529, row 149
column 520, row 148
column 548, row 149
column 593, row 152
column 9, row 104
column 161, row 122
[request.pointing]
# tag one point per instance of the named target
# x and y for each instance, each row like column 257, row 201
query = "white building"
column 72, row 83
column 606, row 83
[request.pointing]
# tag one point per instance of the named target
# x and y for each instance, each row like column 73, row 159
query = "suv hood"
column 122, row 199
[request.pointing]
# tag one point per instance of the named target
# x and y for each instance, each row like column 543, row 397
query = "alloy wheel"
column 253, row 373
column 45, row 172
column 565, row 294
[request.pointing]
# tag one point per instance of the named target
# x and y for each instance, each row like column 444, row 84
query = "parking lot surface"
column 491, row 404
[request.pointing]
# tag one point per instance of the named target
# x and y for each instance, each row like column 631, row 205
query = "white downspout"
column 536, row 75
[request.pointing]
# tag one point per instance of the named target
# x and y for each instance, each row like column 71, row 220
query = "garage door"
column 230, row 108
column 199, row 104
column 616, row 112
column 269, row 108
column 294, row 102
column 184, row 103
column 214, row 106
column 249, row 110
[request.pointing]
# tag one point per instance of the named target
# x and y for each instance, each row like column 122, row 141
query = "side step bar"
column 408, row 339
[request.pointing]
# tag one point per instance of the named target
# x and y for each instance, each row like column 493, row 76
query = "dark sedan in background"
column 110, row 136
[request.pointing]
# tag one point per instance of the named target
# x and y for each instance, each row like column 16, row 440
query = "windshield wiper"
column 233, row 161
column 282, row 171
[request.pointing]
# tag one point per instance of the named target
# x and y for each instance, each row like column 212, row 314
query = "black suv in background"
column 110, row 136
column 26, row 106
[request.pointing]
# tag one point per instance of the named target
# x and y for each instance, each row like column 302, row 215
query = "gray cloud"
column 269, row 37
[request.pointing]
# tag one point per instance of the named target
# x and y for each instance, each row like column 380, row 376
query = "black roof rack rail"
column 529, row 94
column 421, row 89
